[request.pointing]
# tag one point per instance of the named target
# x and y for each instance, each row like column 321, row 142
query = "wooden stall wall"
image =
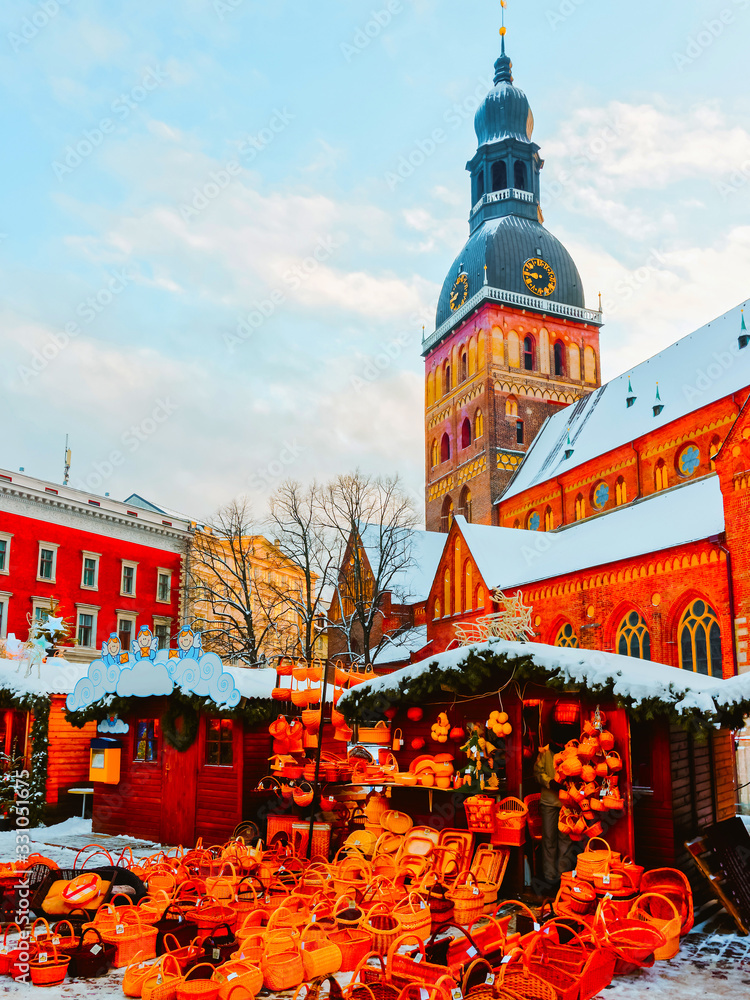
column 652, row 794
column 68, row 759
column 725, row 774
column 219, row 790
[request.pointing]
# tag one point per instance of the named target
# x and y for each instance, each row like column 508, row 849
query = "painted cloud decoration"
column 112, row 726
column 139, row 677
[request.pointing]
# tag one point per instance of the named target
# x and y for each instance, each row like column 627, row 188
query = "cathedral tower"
column 513, row 340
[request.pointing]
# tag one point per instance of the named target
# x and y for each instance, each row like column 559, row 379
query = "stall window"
column 146, row 741
column 219, row 742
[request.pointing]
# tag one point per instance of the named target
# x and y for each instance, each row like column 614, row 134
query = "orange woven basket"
column 130, row 940
column 48, row 969
column 192, row 987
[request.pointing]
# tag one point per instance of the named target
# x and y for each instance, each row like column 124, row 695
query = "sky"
column 216, row 256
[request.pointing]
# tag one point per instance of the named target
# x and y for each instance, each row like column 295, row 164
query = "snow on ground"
column 62, row 842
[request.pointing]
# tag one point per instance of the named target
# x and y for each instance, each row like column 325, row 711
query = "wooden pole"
column 316, row 784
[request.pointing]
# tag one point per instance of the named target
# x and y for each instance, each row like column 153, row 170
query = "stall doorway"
column 178, row 800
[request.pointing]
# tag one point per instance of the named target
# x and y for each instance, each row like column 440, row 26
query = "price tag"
column 608, row 895
column 95, row 949
column 43, row 956
column 472, row 951
column 56, row 939
column 159, row 980
column 574, row 873
column 537, row 926
column 313, row 918
column 490, row 980
column 457, row 994
column 120, row 929
column 421, row 905
column 231, row 976
column 505, row 959
column 606, row 880
column 216, row 953
column 266, row 898
column 282, row 869
column 475, row 891
column 418, row 957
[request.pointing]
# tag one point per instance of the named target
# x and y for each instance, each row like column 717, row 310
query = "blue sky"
column 205, row 190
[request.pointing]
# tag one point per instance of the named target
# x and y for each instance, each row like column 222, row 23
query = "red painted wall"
column 22, row 580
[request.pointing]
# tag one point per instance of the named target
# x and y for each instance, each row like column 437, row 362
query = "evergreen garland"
column 488, row 670
column 252, row 712
column 182, row 739
column 39, row 706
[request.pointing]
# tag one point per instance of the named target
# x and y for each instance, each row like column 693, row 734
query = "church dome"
column 504, row 245
column 505, row 111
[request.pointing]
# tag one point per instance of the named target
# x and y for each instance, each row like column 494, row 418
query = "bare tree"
column 302, row 536
column 240, row 615
column 371, row 523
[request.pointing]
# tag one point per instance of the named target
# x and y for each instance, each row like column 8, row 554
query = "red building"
column 109, row 564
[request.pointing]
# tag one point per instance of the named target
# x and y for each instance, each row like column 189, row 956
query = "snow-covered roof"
column 639, row 680
column 697, row 370
column 57, row 676
column 398, row 648
column 253, row 683
column 422, row 551
column 511, row 557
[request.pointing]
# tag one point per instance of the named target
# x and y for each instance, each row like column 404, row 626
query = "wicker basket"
column 595, row 862
column 284, row 969
column 382, row 926
column 48, row 968
column 320, row 956
column 480, row 812
column 354, row 944
column 243, row 974
column 379, row 734
column 660, row 912
column 467, row 898
column 131, row 940
column 510, row 823
column 414, row 915
column 198, row 987
column 161, row 982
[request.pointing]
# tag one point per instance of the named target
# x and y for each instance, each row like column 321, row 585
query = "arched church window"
column 519, row 176
column 447, row 592
column 567, row 637
column 478, row 424
column 661, row 478
column 468, row 585
column 464, row 366
column 528, row 354
column 466, row 433
column 499, row 176
column 633, row 638
column 511, row 407
column 621, row 492
column 434, row 454
column 446, row 379
column 559, row 352
column 437, row 611
column 549, row 519
column 445, row 448
column 589, row 364
column 714, row 450
column 580, row 507
column 700, row 640
column 465, row 503
column 446, row 519
column 516, row 523
column 479, row 598
column 480, row 185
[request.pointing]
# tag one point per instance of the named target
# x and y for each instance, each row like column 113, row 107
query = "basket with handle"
column 238, row 973
column 659, row 911
column 414, row 915
column 130, row 940
column 480, row 813
column 320, row 955
column 161, row 982
column 371, row 983
column 293, row 914
column 596, row 861
column 510, row 819
column 380, row 734
column 633, row 871
column 219, row 945
column 64, row 943
column 135, row 974
column 48, row 967
column 520, row 982
column 382, row 926
column 489, row 939
column 353, row 943
column 184, row 954
column 478, row 982
column 441, row 990
column 575, row 897
column 282, row 965
column 314, row 990
column 347, row 913
column 634, row 942
column 198, row 984
column 467, row 898
column 403, row 968
column 396, row 822
column 208, row 914
column 93, row 958
column 577, row 971
column 351, row 874
column 673, row 884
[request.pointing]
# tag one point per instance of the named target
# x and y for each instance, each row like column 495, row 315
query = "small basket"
column 510, row 823
column 379, row 734
column 353, row 944
column 203, row 987
column 480, row 813
column 467, row 898
column 382, row 926
column 48, row 970
column 320, row 955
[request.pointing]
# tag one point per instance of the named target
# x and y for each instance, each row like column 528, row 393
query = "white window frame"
column 163, row 572
column 93, row 610
column 96, row 556
column 47, row 545
column 39, row 602
column 5, row 536
column 127, row 563
column 163, row 620
column 5, row 596
column 128, row 616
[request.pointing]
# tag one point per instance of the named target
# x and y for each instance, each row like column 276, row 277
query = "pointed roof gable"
column 697, row 370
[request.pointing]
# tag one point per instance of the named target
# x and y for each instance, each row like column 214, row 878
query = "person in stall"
column 558, row 850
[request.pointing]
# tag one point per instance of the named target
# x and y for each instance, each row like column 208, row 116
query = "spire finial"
column 503, row 65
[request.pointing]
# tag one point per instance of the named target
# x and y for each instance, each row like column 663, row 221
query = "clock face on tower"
column 539, row 276
column 460, row 291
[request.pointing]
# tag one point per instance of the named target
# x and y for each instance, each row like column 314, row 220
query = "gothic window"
column 661, row 479
column 519, row 431
column 466, row 433
column 600, row 496
column 446, row 379
column 580, row 508
column 511, row 407
column 559, row 352
column 434, row 454
column 516, row 523
column 621, row 492
column 589, row 364
column 549, row 519
column 528, row 354
column 447, row 592
column 465, row 503
column 714, row 451
column 519, row 176
column 445, row 448
column 633, row 637
column 533, row 521
column 700, row 640
column 499, row 176
column 464, row 366
column 567, row 637
column 479, row 598
column 689, row 461
column 468, row 585
column 436, row 613
column 480, row 185
column 446, row 519
column 478, row 424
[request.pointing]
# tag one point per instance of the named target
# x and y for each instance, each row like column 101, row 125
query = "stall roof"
column 511, row 557
column 57, row 676
column 637, row 681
